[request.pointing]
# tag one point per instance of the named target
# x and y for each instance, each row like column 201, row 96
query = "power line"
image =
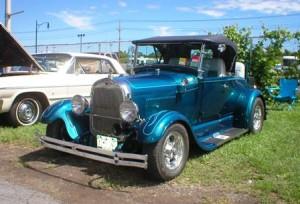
column 65, row 28
column 168, row 21
column 211, row 19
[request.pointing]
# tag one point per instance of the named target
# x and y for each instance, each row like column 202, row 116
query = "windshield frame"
column 197, row 69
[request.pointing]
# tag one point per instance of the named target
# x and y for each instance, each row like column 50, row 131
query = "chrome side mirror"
column 221, row 47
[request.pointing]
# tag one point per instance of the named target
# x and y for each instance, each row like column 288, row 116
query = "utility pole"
column 9, row 14
column 81, row 35
column 37, row 25
column 119, row 41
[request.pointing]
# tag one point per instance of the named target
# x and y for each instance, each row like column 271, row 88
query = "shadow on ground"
column 101, row 176
column 4, row 120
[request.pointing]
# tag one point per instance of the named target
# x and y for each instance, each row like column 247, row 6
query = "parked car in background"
column 190, row 94
column 30, row 84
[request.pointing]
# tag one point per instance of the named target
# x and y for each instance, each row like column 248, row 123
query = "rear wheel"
column 257, row 116
column 57, row 130
column 167, row 158
column 25, row 111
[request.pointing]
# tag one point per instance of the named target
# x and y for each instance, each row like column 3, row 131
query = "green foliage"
column 22, row 135
column 242, row 39
column 264, row 54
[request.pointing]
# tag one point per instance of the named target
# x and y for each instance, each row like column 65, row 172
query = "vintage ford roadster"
column 187, row 94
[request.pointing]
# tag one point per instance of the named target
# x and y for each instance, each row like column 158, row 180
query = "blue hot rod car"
column 184, row 90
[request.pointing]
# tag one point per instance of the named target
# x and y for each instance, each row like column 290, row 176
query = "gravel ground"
column 16, row 194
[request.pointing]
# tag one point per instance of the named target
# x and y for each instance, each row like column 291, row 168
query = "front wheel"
column 25, row 111
column 167, row 158
column 257, row 116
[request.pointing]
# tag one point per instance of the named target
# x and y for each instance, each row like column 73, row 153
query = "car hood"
column 12, row 53
column 154, row 92
column 153, row 83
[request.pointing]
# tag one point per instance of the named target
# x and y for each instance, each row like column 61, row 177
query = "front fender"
column 62, row 110
column 153, row 129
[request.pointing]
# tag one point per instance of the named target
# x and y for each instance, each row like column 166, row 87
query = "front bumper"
column 115, row 158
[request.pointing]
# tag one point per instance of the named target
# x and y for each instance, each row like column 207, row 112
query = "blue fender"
column 62, row 110
column 153, row 129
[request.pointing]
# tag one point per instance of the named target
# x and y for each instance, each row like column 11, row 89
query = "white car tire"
column 25, row 111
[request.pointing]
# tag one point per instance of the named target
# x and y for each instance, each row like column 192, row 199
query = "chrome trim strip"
column 40, row 87
column 100, row 116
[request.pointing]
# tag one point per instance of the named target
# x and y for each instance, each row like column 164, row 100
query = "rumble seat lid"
column 12, row 53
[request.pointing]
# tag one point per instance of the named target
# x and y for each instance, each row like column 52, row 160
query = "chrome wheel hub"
column 173, row 150
column 27, row 111
column 257, row 117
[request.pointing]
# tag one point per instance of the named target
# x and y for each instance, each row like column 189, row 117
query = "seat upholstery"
column 214, row 67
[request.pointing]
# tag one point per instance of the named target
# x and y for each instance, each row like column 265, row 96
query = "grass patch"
column 266, row 164
column 21, row 135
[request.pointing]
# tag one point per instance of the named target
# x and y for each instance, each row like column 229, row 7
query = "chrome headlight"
column 79, row 104
column 128, row 111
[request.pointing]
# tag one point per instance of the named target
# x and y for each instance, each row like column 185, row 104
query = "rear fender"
column 253, row 95
column 153, row 129
column 62, row 110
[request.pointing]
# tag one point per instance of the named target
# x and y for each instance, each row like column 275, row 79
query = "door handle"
column 225, row 86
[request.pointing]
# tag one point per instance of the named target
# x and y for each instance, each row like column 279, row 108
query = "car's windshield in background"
column 52, row 62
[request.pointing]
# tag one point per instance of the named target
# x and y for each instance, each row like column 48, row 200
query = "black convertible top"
column 217, row 39
column 212, row 41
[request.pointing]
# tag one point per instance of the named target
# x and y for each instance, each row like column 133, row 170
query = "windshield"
column 188, row 55
column 183, row 56
column 52, row 62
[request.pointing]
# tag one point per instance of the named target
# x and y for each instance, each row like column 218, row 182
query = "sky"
column 99, row 19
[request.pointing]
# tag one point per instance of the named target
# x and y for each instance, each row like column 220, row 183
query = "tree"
column 241, row 36
column 265, row 53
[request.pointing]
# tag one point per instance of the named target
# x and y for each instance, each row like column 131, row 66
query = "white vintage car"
column 28, row 87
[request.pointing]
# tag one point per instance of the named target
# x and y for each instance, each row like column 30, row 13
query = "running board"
column 219, row 139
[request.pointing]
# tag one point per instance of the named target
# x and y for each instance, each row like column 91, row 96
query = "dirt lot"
column 70, row 179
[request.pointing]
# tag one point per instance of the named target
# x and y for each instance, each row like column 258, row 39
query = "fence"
column 93, row 47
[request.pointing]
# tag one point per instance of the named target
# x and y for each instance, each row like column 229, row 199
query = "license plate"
column 107, row 143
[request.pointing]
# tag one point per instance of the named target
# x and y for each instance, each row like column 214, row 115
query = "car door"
column 86, row 72
column 214, row 95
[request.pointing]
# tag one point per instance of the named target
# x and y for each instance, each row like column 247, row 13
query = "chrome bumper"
column 115, row 158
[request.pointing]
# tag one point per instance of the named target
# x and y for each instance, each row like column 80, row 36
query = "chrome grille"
column 105, row 102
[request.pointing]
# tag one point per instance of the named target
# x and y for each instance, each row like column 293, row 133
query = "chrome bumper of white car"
column 115, row 158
